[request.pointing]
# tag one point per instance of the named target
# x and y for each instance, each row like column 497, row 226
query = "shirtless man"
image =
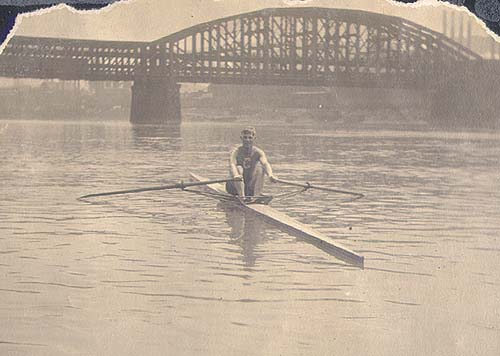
column 249, row 164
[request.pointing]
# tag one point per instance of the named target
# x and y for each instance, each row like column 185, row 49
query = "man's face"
column 247, row 138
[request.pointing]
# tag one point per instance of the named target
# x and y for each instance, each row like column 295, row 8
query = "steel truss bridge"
column 279, row 46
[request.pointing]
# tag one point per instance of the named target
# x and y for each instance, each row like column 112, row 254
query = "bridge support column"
column 155, row 101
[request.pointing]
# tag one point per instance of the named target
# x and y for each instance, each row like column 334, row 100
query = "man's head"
column 248, row 136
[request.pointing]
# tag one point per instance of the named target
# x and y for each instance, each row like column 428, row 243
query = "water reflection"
column 247, row 231
column 156, row 138
column 156, row 131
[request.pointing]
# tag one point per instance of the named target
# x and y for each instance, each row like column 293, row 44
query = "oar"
column 310, row 186
column 180, row 185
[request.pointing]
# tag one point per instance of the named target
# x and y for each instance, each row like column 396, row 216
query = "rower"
column 248, row 164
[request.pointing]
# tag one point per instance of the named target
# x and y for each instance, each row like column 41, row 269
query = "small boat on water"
column 280, row 220
column 260, row 207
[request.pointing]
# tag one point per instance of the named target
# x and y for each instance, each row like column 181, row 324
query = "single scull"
column 285, row 223
column 259, row 207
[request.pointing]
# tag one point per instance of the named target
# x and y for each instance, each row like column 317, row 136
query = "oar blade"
column 128, row 191
column 180, row 185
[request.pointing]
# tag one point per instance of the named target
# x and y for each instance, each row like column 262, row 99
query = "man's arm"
column 267, row 166
column 233, row 169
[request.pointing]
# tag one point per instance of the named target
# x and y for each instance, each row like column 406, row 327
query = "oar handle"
column 180, row 185
column 308, row 185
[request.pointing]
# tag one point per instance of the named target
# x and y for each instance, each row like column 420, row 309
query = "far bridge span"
column 279, row 46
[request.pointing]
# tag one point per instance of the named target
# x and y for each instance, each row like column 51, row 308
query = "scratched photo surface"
column 394, row 108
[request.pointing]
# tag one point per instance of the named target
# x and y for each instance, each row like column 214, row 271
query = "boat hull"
column 289, row 225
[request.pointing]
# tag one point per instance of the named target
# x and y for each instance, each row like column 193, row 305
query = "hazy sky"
column 147, row 20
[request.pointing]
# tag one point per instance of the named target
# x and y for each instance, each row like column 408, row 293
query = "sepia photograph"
column 259, row 177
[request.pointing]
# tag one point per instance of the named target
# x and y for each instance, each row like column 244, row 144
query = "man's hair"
column 250, row 130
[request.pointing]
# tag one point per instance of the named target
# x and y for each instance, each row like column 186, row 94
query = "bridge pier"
column 155, row 101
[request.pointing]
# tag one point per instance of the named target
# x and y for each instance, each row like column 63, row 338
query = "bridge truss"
column 280, row 46
column 306, row 46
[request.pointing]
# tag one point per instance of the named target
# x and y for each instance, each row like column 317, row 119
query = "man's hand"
column 273, row 179
column 238, row 178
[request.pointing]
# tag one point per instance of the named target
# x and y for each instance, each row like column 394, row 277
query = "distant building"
column 250, row 96
column 56, row 99
column 458, row 27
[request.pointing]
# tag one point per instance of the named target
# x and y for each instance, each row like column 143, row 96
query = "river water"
column 172, row 272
